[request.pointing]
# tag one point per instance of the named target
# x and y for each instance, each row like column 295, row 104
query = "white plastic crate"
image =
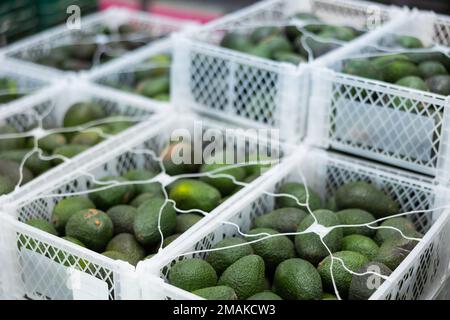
column 37, row 275
column 40, row 44
column 27, row 82
column 418, row 276
column 379, row 120
column 47, row 109
column 121, row 72
column 250, row 90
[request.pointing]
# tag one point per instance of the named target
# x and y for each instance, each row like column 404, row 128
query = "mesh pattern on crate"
column 442, row 31
column 410, row 196
column 383, row 124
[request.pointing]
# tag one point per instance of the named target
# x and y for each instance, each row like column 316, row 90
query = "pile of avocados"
column 151, row 78
column 291, row 44
column 291, row 266
column 121, row 222
column 9, row 90
column 89, row 48
column 69, row 144
column 425, row 70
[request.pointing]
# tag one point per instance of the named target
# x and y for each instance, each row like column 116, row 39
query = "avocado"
column 342, row 278
column 153, row 87
column 11, row 170
column 154, row 217
column 392, row 228
column 224, row 184
column 87, row 138
column 236, row 41
column 222, row 259
column 365, row 196
column 216, row 293
column 297, row 279
column 111, row 196
column 142, row 175
column 122, row 217
column 68, row 151
column 289, row 57
column 245, row 276
column 192, row 274
column 115, row 255
column 361, row 244
column 143, row 197
column 34, row 163
column 6, row 186
column 10, row 143
column 51, row 142
column 185, row 221
column 117, row 127
column 309, row 245
column 395, row 70
column 412, row 82
column 330, row 204
column 261, row 50
column 262, row 33
column 84, row 51
column 127, row 244
column 317, row 46
column 409, row 42
column 362, row 68
column 83, row 112
column 75, row 241
column 179, row 158
column 380, row 61
column 43, row 225
column 363, row 286
column 273, row 250
column 431, row 68
column 394, row 250
column 277, row 44
column 92, row 227
column 194, row 194
column 341, row 33
column 419, row 57
column 283, row 220
column 265, row 295
column 158, row 65
column 65, row 208
column 328, row 296
column 298, row 191
column 357, row 217
column 439, row 84
column 168, row 240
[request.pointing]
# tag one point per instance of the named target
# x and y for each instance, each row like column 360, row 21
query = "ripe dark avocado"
column 222, row 259
column 152, row 215
column 216, row 293
column 122, row 217
column 65, row 208
column 298, row 191
column 357, row 217
column 273, row 250
column 309, row 246
column 194, row 194
column 365, row 196
column 92, row 227
column 297, row 279
column 127, row 244
column 439, row 84
column 394, row 250
column 192, row 274
column 83, row 112
column 245, row 276
column 283, row 220
column 112, row 195
column 362, row 287
column 342, row 278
